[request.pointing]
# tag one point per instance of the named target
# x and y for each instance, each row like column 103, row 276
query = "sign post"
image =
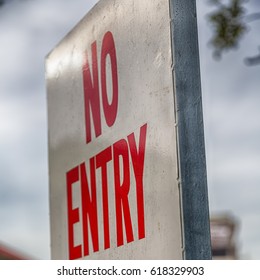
column 186, row 73
column 126, row 146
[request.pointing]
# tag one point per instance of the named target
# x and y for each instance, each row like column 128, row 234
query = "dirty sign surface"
column 112, row 137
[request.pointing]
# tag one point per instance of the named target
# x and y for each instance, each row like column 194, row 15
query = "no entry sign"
column 115, row 146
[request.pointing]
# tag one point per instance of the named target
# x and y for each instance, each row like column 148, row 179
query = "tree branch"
column 254, row 60
column 252, row 17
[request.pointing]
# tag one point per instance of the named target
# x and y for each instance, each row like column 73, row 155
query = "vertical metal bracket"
column 191, row 147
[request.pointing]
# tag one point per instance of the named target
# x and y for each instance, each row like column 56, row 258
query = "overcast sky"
column 29, row 29
column 231, row 98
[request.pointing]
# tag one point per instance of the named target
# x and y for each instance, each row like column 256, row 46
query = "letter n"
column 91, row 95
column 89, row 207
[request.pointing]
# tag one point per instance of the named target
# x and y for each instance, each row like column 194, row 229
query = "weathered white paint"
column 143, row 45
column 148, row 59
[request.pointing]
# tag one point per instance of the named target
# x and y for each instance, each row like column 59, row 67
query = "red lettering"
column 91, row 94
column 73, row 214
column 101, row 160
column 89, row 207
column 120, row 149
column 108, row 48
column 91, row 87
column 123, row 153
column 138, row 165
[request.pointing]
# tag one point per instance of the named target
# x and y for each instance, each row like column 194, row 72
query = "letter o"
column 108, row 48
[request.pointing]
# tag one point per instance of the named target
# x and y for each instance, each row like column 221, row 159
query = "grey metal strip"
column 193, row 179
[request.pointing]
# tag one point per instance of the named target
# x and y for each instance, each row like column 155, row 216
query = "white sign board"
column 114, row 189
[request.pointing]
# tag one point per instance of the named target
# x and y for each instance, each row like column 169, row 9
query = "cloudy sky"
column 231, row 98
column 29, row 29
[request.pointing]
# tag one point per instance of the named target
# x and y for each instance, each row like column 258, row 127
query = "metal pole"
column 191, row 147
